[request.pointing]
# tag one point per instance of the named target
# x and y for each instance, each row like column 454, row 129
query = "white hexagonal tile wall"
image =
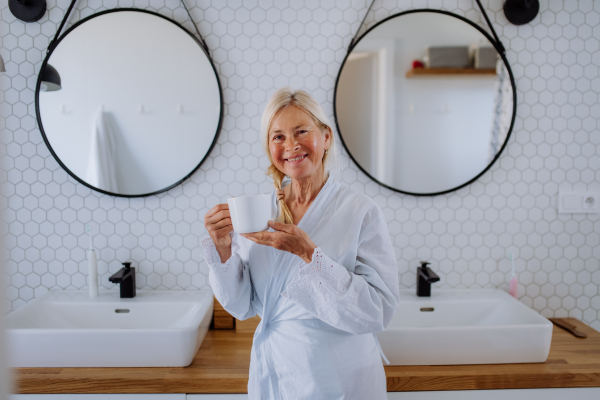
column 466, row 234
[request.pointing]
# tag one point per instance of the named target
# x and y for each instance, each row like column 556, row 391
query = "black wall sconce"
column 50, row 79
column 520, row 12
column 27, row 10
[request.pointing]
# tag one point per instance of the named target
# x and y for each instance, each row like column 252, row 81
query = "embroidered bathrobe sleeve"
column 230, row 281
column 358, row 302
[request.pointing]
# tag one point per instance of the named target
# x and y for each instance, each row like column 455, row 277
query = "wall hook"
column 445, row 110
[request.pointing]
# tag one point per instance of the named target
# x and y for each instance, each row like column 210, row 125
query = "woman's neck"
column 302, row 192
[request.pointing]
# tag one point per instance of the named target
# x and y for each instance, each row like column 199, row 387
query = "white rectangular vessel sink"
column 465, row 326
column 69, row 329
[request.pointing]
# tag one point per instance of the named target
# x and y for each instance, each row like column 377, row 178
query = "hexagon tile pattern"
column 259, row 46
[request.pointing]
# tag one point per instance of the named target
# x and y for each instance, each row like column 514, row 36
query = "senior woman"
column 323, row 280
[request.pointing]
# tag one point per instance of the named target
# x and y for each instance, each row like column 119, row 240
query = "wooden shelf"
column 418, row 72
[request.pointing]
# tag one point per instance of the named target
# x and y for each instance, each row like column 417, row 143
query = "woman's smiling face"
column 296, row 143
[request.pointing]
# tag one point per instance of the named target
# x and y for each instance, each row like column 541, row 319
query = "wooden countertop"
column 222, row 363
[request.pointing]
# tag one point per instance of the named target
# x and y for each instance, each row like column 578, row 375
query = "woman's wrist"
column 224, row 252
column 307, row 258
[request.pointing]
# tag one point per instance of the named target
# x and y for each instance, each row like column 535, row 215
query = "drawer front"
column 501, row 394
column 159, row 396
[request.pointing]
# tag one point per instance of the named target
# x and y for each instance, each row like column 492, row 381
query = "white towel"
column 102, row 165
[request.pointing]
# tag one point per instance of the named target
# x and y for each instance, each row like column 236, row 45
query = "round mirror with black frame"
column 425, row 102
column 129, row 102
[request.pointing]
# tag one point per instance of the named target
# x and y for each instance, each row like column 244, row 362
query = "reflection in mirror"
column 139, row 106
column 422, row 131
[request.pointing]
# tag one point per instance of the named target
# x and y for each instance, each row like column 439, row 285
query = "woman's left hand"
column 287, row 237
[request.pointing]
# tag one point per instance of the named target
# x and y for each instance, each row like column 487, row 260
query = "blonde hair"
column 281, row 99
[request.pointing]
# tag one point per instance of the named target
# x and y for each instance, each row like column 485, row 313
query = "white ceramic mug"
column 252, row 213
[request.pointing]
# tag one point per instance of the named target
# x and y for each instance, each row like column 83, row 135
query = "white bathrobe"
column 316, row 339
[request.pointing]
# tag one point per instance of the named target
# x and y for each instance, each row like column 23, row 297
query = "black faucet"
column 425, row 277
column 126, row 277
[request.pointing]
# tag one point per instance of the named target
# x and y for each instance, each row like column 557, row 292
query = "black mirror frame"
column 500, row 51
column 41, row 127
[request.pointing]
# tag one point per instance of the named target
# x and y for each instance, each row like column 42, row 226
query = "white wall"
column 357, row 112
column 261, row 46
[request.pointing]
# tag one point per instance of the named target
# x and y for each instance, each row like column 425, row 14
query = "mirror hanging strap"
column 496, row 38
column 62, row 24
column 203, row 43
column 353, row 41
column 51, row 45
column 499, row 44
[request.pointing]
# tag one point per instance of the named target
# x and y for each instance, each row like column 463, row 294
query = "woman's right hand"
column 217, row 222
